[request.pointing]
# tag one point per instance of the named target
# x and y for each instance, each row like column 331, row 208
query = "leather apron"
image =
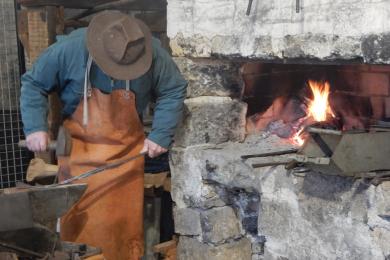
column 110, row 213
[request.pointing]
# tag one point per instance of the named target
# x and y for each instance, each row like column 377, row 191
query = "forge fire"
column 317, row 102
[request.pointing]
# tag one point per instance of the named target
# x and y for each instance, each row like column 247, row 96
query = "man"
column 105, row 76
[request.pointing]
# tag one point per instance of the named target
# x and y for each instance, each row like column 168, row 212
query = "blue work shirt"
column 61, row 68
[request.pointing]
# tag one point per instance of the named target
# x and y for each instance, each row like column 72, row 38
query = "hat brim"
column 96, row 49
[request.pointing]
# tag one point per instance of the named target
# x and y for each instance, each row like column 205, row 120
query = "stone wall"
column 225, row 209
column 322, row 30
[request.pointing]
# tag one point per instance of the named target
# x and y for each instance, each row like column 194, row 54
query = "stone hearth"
column 225, row 209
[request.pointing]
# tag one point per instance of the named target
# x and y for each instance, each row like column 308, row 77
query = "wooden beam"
column 156, row 21
column 78, row 4
column 125, row 5
column 23, row 29
column 43, row 24
column 41, row 32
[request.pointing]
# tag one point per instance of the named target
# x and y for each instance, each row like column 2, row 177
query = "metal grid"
column 13, row 161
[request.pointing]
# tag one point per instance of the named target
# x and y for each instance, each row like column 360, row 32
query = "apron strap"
column 87, row 90
column 127, row 85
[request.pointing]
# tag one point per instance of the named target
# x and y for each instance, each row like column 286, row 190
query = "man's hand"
column 37, row 141
column 152, row 149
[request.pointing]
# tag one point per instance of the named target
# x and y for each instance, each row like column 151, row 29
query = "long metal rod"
column 317, row 130
column 100, row 169
column 259, row 165
column 289, row 151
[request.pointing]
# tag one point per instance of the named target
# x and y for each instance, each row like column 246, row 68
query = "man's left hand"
column 152, row 149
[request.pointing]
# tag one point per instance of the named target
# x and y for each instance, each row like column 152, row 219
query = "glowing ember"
column 319, row 107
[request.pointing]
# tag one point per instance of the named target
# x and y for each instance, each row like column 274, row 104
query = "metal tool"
column 296, row 158
column 289, row 151
column 100, row 169
column 297, row 6
column 248, row 10
column 62, row 146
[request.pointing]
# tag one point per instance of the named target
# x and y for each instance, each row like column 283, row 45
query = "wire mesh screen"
column 13, row 161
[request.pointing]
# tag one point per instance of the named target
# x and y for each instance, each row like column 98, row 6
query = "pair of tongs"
column 290, row 161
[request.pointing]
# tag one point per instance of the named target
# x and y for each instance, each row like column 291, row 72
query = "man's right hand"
column 37, row 141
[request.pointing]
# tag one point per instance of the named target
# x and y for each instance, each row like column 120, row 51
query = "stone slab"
column 326, row 30
column 211, row 77
column 192, row 249
column 211, row 120
column 187, row 221
column 219, row 225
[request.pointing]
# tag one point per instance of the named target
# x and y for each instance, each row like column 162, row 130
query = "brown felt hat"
column 120, row 45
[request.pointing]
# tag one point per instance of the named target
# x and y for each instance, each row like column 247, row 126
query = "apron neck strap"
column 127, row 85
column 87, row 90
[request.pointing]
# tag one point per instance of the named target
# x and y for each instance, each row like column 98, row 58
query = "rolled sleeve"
column 37, row 83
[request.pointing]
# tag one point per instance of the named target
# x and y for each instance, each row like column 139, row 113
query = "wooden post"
column 43, row 24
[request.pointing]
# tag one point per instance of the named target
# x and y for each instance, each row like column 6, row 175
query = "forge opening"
column 285, row 98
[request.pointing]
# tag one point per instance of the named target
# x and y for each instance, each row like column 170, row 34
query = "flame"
column 319, row 107
column 298, row 139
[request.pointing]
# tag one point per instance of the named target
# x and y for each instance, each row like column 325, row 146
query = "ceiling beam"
column 78, row 4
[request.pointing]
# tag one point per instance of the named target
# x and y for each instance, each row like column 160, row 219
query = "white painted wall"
column 336, row 21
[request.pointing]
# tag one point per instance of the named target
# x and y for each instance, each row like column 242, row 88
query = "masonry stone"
column 191, row 249
column 219, row 225
column 186, row 185
column 187, row 221
column 211, row 77
column 211, row 120
column 188, row 188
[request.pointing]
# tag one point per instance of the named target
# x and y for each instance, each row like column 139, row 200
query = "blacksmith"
column 105, row 75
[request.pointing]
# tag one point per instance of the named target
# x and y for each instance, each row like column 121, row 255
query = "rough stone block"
column 187, row 221
column 213, row 196
column 375, row 47
column 188, row 188
column 258, row 257
column 211, row 120
column 207, row 77
column 219, row 225
column 327, row 210
column 192, row 249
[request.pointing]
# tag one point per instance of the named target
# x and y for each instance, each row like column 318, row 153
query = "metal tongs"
column 290, row 161
column 100, row 169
